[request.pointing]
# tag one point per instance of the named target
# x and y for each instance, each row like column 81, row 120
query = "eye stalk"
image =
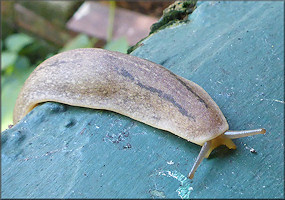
column 240, row 134
column 224, row 139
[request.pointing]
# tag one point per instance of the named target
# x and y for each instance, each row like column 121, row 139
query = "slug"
column 132, row 86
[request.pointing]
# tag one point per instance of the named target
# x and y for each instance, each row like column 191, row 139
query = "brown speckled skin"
column 140, row 89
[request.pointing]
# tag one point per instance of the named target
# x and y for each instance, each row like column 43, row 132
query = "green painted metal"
column 234, row 50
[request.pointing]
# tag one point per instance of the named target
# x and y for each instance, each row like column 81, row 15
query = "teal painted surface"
column 234, row 50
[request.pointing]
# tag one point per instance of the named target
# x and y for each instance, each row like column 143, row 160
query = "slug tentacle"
column 245, row 133
column 208, row 147
column 224, row 139
column 203, row 153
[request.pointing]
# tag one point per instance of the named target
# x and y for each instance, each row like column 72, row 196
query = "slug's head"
column 223, row 139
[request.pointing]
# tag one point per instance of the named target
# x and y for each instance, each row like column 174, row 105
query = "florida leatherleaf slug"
column 131, row 86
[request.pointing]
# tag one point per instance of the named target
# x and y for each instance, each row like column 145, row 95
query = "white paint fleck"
column 276, row 100
column 185, row 189
column 157, row 193
column 252, row 150
column 170, row 162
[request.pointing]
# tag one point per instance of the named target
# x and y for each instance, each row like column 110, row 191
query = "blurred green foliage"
column 120, row 45
column 14, row 44
column 21, row 53
column 81, row 41
column 15, row 68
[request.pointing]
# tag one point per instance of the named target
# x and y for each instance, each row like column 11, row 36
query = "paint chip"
column 170, row 162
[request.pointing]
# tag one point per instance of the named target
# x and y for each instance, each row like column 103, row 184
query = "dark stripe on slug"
column 166, row 97
column 190, row 89
column 160, row 93
column 125, row 73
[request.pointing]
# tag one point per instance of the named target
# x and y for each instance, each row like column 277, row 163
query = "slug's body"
column 140, row 89
column 134, row 87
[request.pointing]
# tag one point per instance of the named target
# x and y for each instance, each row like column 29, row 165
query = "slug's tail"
column 224, row 139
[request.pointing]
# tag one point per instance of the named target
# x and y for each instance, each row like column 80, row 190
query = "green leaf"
column 120, row 45
column 49, row 55
column 80, row 41
column 11, row 86
column 22, row 63
column 11, row 83
column 8, row 59
column 9, row 94
column 18, row 41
